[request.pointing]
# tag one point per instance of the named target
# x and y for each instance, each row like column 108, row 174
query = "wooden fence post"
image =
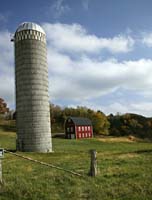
column 1, row 157
column 93, row 164
column 1, row 172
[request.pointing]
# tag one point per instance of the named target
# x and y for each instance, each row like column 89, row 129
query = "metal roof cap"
column 29, row 26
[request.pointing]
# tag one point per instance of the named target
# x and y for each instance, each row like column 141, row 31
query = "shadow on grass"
column 8, row 128
column 11, row 150
column 58, row 135
column 143, row 151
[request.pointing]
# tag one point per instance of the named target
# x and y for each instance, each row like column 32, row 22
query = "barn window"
column 69, row 120
column 79, row 135
column 68, row 129
column 79, row 128
column 86, row 135
column 86, row 128
column 71, row 129
column 83, row 135
column 89, row 134
column 82, row 128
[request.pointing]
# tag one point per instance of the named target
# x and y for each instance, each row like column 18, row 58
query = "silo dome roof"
column 29, row 26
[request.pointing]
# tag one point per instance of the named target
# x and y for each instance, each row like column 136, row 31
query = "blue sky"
column 99, row 51
column 106, row 17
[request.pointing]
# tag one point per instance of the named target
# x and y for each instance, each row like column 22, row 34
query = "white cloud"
column 141, row 108
column 88, row 78
column 6, row 68
column 147, row 39
column 84, row 78
column 6, row 55
column 74, row 38
column 59, row 8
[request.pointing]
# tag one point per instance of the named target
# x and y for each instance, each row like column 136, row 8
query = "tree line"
column 116, row 125
column 59, row 115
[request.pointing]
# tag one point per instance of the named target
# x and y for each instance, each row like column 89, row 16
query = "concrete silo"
column 32, row 97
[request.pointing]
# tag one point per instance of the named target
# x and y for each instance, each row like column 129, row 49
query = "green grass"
column 125, row 171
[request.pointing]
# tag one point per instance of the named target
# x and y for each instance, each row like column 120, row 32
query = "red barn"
column 78, row 127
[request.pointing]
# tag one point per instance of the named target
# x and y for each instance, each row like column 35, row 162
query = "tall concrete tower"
column 32, row 98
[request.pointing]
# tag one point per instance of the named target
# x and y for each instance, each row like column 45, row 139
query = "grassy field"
column 125, row 170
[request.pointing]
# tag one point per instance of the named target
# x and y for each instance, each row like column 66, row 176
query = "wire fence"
column 43, row 163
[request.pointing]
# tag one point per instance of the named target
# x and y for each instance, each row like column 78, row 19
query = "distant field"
column 125, row 170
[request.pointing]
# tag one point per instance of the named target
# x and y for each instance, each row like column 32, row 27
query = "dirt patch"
column 129, row 138
column 128, row 155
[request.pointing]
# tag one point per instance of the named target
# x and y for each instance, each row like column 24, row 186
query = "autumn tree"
column 3, row 107
column 100, row 123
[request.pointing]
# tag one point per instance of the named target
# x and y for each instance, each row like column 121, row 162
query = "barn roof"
column 81, row 121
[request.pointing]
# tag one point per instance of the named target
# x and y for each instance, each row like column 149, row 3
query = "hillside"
column 130, row 124
column 125, row 170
